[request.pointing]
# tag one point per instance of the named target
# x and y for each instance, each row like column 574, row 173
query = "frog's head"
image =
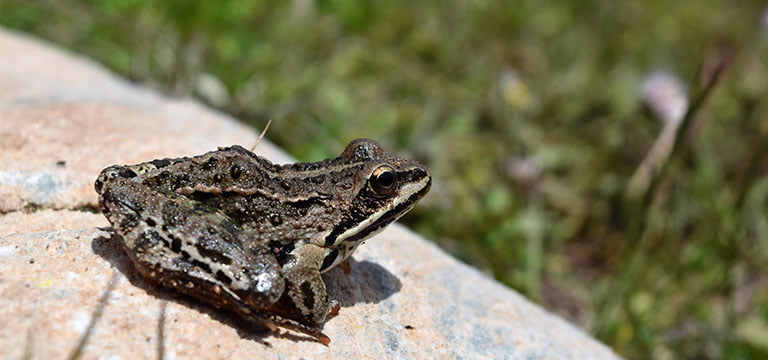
column 383, row 188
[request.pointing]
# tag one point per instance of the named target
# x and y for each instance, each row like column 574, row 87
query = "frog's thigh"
column 305, row 285
column 172, row 244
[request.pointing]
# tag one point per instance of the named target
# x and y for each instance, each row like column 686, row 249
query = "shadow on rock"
column 367, row 282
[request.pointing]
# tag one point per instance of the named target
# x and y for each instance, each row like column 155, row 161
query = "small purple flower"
column 665, row 95
column 524, row 170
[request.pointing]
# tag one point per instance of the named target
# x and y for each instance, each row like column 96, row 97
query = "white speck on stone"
column 150, row 311
column 7, row 250
column 70, row 276
column 80, row 321
column 99, row 276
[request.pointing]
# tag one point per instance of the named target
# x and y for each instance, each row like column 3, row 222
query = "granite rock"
column 69, row 290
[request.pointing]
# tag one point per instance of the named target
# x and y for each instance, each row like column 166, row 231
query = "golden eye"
column 383, row 180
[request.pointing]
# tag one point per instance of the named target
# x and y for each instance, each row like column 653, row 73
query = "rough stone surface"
column 67, row 289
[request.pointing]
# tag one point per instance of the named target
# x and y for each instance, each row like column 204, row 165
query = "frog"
column 242, row 234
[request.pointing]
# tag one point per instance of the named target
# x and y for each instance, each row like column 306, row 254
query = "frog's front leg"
column 305, row 285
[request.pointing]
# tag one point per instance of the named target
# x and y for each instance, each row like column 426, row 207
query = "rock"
column 69, row 290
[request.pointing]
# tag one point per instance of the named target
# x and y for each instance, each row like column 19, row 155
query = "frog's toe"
column 334, row 308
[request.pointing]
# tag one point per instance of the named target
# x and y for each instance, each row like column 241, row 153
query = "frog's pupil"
column 386, row 179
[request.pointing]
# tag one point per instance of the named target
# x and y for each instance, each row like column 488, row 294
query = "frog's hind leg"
column 178, row 243
column 294, row 325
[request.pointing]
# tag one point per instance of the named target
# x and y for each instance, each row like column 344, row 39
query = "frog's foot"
column 305, row 285
column 299, row 327
column 334, row 309
column 345, row 266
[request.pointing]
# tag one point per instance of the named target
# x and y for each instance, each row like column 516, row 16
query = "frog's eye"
column 383, row 180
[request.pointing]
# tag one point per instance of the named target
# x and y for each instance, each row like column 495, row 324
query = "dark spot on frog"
column 205, row 267
column 181, row 181
column 309, row 295
column 329, row 259
column 306, row 204
column 163, row 180
column 150, row 222
column 98, row 185
column 211, row 254
column 304, row 166
column 175, row 244
column 223, row 277
column 160, row 163
column 125, row 172
column 149, row 239
column 204, row 200
column 409, row 327
column 275, row 219
column 283, row 183
column 61, row 163
column 129, row 220
column 217, row 178
column 281, row 251
column 210, row 164
column 155, row 236
column 236, row 171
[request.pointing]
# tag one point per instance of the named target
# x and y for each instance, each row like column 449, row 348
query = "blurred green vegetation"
column 531, row 117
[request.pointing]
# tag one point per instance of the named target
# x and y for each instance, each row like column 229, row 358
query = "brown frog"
column 235, row 231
